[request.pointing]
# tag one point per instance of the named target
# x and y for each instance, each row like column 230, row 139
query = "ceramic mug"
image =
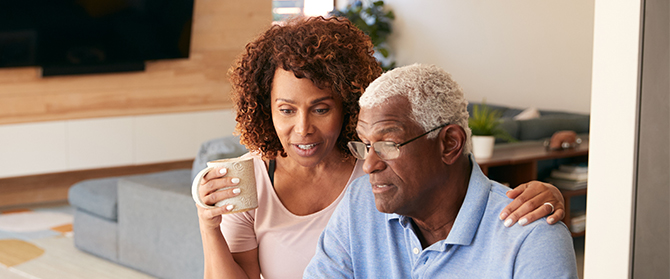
column 242, row 168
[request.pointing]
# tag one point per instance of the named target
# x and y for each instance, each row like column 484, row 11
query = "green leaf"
column 384, row 52
column 380, row 27
column 485, row 121
column 390, row 15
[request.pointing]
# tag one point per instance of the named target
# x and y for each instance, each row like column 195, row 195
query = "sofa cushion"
column 510, row 126
column 549, row 122
column 547, row 125
column 528, row 113
column 96, row 196
column 219, row 148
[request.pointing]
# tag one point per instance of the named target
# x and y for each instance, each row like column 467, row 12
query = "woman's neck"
column 307, row 190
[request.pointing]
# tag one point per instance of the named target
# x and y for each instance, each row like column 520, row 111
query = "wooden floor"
column 38, row 243
column 62, row 260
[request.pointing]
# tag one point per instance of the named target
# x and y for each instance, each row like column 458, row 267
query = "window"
column 284, row 9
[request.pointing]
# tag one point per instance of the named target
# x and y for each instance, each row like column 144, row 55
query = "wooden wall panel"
column 221, row 28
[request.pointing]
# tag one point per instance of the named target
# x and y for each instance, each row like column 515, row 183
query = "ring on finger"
column 551, row 205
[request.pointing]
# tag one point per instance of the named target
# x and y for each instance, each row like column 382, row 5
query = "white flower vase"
column 482, row 146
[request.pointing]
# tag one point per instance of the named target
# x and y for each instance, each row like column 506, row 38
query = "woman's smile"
column 306, row 150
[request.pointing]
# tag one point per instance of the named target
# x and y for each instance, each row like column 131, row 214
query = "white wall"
column 613, row 139
column 520, row 53
column 56, row 146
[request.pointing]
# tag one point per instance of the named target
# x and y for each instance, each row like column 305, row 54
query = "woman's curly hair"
column 330, row 52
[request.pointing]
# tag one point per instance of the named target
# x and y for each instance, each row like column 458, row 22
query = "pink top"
column 286, row 242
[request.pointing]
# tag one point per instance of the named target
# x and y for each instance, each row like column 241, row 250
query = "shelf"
column 572, row 193
column 567, row 194
column 582, row 233
column 517, row 163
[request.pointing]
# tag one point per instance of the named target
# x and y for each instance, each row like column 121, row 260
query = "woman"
column 296, row 90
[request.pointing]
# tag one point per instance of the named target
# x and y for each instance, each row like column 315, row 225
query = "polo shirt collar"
column 470, row 215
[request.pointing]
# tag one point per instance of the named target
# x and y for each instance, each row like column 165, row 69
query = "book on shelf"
column 577, row 176
column 567, row 184
column 574, row 168
column 578, row 222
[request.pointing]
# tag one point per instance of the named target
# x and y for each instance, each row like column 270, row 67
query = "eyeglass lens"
column 385, row 149
column 358, row 149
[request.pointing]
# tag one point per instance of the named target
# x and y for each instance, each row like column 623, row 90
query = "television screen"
column 93, row 36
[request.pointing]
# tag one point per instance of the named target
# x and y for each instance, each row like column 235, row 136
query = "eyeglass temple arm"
column 438, row 127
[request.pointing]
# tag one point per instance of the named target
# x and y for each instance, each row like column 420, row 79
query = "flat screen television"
column 66, row 37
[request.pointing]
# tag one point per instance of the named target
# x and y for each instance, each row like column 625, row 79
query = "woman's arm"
column 219, row 261
column 529, row 204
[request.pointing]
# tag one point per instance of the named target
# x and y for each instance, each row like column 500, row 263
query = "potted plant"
column 484, row 124
column 370, row 17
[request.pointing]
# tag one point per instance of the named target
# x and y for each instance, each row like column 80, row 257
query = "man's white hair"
column 435, row 98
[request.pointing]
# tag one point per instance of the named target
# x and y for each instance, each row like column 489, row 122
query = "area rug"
column 38, row 244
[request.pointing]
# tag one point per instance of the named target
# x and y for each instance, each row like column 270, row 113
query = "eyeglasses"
column 386, row 150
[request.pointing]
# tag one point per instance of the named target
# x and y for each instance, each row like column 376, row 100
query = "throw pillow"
column 528, row 113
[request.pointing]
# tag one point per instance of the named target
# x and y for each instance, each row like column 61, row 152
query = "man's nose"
column 373, row 163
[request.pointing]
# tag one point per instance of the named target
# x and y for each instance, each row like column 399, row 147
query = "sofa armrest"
column 218, row 148
column 96, row 196
column 158, row 225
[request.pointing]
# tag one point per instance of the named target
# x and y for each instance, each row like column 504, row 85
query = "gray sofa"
column 147, row 222
column 539, row 128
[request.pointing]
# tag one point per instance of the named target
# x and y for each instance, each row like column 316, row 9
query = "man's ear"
column 453, row 140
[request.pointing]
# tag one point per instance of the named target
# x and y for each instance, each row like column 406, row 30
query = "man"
column 436, row 213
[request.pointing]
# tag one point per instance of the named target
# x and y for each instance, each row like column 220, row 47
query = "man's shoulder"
column 499, row 191
column 529, row 244
column 497, row 199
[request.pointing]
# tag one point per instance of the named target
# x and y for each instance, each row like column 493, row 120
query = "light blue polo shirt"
column 361, row 242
